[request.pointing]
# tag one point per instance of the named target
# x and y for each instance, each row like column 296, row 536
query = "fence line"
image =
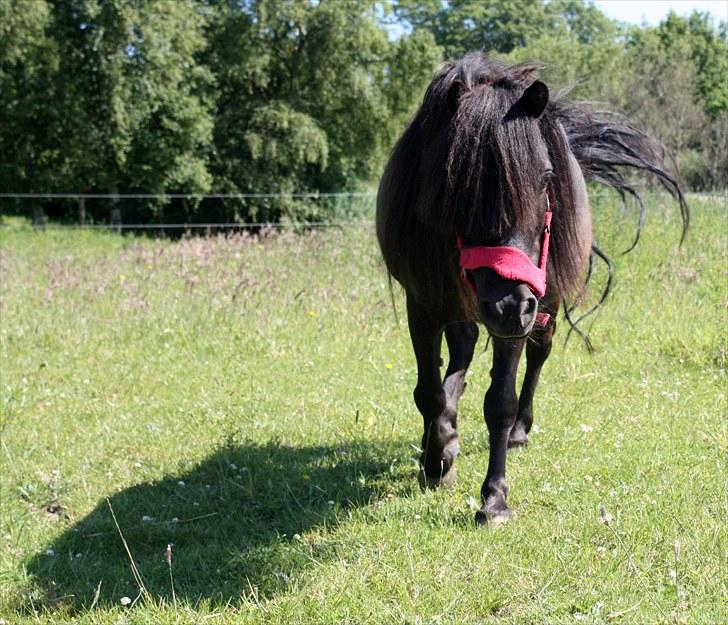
column 192, row 226
column 213, row 196
column 219, row 226
column 243, row 196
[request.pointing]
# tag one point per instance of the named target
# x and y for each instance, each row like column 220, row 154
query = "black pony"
column 482, row 215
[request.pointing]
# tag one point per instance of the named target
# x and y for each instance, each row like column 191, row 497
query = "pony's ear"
column 453, row 95
column 534, row 99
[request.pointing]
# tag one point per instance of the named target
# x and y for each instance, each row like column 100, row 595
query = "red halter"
column 511, row 263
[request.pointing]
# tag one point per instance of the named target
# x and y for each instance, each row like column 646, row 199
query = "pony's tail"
column 570, row 307
column 607, row 147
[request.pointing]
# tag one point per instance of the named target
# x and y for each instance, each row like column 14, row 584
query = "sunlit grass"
column 249, row 402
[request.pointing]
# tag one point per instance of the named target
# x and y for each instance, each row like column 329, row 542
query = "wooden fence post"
column 39, row 217
column 81, row 211
column 115, row 216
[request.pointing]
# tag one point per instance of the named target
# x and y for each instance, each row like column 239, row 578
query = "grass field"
column 248, row 402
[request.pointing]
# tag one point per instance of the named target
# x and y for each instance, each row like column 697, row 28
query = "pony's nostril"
column 527, row 310
column 527, row 306
column 510, row 316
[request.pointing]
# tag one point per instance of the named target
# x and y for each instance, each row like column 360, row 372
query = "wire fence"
column 171, row 196
column 205, row 212
column 362, row 215
column 246, row 225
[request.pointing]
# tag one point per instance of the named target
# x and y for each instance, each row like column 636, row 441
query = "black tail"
column 607, row 147
column 569, row 308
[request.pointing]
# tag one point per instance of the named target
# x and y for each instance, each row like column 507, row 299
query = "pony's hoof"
column 445, row 481
column 518, row 436
column 493, row 518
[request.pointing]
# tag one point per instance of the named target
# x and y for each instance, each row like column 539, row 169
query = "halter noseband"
column 511, row 263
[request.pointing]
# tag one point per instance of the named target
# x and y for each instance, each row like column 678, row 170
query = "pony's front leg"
column 538, row 349
column 440, row 438
column 500, row 408
column 461, row 338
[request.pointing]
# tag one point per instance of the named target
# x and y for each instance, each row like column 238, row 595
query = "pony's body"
column 485, row 157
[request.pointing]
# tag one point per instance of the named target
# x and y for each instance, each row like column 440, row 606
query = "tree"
column 685, row 99
column 460, row 26
column 30, row 145
column 135, row 96
column 708, row 48
column 104, row 96
column 284, row 96
column 575, row 42
column 310, row 97
column 581, row 52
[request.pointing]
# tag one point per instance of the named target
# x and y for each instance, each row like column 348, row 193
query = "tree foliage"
column 29, row 139
column 291, row 96
column 254, row 96
column 309, row 95
column 671, row 77
column 685, row 101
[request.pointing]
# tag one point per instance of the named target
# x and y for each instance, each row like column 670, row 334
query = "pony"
column 483, row 217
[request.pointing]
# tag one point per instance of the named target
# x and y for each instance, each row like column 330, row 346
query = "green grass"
column 249, row 403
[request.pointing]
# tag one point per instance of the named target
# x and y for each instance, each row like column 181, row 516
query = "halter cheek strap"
column 511, row 263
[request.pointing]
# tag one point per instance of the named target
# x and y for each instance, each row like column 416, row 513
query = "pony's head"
column 485, row 152
column 506, row 166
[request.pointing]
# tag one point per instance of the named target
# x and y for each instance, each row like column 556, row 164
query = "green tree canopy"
column 290, row 96
column 708, row 49
column 30, row 141
column 310, row 95
column 137, row 101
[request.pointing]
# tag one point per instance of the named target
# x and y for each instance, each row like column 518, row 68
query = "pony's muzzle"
column 511, row 315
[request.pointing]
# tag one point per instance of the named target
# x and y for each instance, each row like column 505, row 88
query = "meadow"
column 221, row 430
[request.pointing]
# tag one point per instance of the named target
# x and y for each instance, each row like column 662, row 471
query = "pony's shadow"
column 243, row 523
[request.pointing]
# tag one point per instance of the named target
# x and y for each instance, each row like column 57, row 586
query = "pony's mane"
column 457, row 157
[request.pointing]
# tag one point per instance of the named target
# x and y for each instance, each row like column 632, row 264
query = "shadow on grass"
column 243, row 523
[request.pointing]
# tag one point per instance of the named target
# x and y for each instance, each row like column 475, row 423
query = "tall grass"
column 248, row 401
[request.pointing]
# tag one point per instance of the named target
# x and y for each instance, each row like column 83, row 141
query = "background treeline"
column 295, row 96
